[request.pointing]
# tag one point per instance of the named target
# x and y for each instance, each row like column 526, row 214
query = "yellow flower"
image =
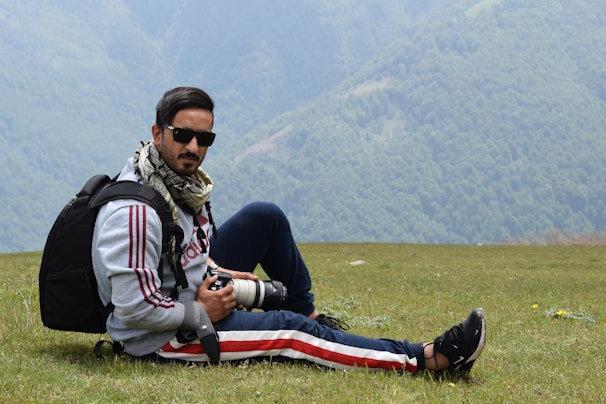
column 561, row 313
column 535, row 306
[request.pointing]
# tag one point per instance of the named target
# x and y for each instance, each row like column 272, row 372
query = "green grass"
column 398, row 291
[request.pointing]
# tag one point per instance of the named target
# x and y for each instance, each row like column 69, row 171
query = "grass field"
column 545, row 309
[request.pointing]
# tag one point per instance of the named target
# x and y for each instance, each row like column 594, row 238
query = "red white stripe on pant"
column 240, row 345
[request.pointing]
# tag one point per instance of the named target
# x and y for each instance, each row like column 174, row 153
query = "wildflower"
column 571, row 315
column 535, row 306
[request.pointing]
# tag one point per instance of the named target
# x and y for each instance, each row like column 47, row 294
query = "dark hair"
column 180, row 98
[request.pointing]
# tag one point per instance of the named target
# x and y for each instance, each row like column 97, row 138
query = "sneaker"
column 463, row 343
column 332, row 322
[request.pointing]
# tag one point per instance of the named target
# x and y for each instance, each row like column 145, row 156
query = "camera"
column 264, row 295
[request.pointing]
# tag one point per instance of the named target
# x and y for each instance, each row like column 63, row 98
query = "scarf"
column 190, row 193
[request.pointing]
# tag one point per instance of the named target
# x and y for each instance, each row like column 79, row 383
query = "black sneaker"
column 463, row 343
column 332, row 322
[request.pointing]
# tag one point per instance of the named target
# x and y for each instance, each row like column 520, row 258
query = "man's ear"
column 156, row 134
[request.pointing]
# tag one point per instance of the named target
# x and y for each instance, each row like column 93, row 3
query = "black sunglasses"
column 183, row 135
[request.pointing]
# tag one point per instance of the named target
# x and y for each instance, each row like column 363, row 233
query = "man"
column 156, row 321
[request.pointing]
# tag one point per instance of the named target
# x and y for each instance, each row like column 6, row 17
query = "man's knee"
column 265, row 211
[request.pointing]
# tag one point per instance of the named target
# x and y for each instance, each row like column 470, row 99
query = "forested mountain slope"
column 484, row 126
column 435, row 121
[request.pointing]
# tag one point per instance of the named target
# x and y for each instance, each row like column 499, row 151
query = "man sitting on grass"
column 154, row 320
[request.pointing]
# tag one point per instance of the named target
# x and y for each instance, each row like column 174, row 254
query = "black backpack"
column 69, row 300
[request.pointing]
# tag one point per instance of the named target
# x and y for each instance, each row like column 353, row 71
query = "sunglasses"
column 182, row 135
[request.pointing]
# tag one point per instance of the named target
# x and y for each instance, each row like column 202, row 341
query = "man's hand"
column 217, row 303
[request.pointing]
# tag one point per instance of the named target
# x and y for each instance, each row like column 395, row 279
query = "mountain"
column 405, row 121
column 484, row 126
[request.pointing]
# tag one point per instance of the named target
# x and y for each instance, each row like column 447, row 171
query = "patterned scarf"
column 190, row 193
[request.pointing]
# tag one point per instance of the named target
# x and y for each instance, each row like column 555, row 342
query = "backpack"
column 69, row 300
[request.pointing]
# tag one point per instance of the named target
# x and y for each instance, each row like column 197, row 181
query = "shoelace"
column 332, row 322
column 435, row 358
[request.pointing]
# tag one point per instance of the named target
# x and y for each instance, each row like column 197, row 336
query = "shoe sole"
column 470, row 361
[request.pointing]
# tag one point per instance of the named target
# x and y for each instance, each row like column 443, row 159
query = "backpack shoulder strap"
column 134, row 190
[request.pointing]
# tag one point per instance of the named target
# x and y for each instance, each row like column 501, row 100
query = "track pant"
column 287, row 335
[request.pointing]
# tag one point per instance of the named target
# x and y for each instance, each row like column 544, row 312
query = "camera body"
column 264, row 295
column 221, row 282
